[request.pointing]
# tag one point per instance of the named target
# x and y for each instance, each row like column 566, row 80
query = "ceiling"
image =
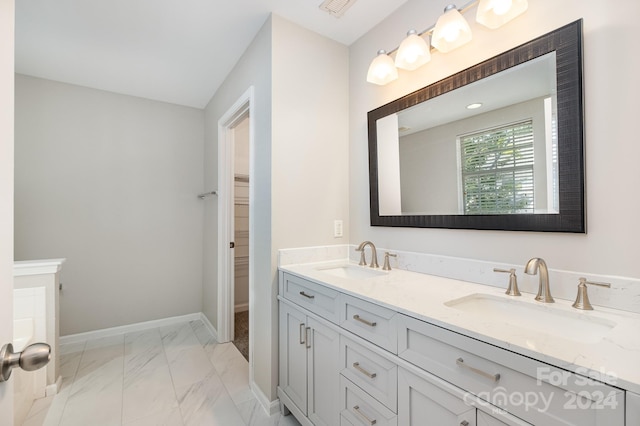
column 176, row 51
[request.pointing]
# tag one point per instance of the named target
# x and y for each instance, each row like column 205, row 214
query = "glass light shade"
column 413, row 52
column 495, row 13
column 382, row 69
column 451, row 30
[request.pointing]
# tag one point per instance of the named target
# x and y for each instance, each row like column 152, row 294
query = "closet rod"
column 206, row 194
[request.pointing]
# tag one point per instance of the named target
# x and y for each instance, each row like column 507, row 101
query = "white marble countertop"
column 614, row 359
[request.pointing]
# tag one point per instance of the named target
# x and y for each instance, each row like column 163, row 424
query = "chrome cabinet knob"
column 32, row 358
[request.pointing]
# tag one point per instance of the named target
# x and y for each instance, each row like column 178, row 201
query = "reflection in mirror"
column 496, row 146
column 487, row 148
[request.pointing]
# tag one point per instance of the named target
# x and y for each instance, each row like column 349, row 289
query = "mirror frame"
column 567, row 43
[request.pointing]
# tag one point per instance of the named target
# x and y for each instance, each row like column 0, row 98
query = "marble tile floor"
column 169, row 376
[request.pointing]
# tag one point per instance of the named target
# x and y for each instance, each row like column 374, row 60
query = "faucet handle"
column 582, row 298
column 387, row 266
column 512, row 290
column 363, row 261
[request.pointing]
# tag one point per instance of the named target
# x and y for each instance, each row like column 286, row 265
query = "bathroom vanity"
column 361, row 346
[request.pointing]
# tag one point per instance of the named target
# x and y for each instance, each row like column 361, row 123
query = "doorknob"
column 232, row 244
column 33, row 357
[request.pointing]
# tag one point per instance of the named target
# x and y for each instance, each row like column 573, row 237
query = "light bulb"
column 495, row 13
column 382, row 69
column 451, row 30
column 413, row 52
column 500, row 7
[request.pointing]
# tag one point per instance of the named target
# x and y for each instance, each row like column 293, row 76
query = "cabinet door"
column 293, row 355
column 421, row 402
column 323, row 374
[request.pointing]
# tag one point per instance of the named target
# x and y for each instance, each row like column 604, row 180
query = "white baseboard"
column 54, row 388
column 241, row 307
column 270, row 407
column 141, row 326
column 209, row 326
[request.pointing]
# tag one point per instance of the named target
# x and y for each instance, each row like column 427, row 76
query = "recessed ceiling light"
column 474, row 106
column 336, row 8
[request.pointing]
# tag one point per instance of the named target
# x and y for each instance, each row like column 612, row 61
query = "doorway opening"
column 241, row 235
column 235, row 226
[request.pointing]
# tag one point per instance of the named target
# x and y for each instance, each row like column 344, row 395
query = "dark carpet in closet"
column 241, row 333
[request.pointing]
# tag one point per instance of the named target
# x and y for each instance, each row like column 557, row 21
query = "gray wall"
column 300, row 170
column 110, row 183
column 612, row 152
column 253, row 69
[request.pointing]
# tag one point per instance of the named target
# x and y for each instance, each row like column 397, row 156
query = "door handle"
column 303, row 334
column 33, row 357
column 232, row 244
column 495, row 377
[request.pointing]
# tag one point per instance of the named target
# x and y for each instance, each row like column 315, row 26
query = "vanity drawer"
column 361, row 409
column 317, row 298
column 375, row 374
column 345, row 422
column 534, row 391
column 370, row 321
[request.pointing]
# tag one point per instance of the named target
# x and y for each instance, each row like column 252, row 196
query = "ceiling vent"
column 336, row 8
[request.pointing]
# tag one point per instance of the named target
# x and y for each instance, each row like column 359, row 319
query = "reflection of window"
column 497, row 170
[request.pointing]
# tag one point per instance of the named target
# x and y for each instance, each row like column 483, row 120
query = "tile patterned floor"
column 169, row 376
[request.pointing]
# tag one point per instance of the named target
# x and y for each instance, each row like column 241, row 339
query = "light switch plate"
column 337, row 228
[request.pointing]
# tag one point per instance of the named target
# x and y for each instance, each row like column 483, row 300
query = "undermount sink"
column 543, row 319
column 352, row 271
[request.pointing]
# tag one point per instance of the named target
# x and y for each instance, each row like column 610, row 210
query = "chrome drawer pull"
column 307, row 337
column 308, row 296
column 356, row 409
column 356, row 365
column 302, row 334
column 364, row 321
column 494, row 377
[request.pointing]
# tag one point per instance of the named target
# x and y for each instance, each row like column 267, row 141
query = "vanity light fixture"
column 382, row 70
column 495, row 13
column 450, row 32
column 413, row 52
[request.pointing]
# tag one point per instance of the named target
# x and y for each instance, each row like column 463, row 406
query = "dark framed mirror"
column 497, row 146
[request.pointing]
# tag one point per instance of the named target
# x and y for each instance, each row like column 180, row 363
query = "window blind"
column 497, row 170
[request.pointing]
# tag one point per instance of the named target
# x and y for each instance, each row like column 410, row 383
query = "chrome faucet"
column 374, row 254
column 537, row 265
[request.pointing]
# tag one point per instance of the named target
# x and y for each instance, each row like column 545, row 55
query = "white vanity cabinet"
column 422, row 401
column 348, row 361
column 532, row 390
column 309, row 369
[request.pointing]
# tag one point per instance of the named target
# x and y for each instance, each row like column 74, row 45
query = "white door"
column 6, row 195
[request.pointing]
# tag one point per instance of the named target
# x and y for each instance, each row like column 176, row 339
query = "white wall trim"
column 270, row 407
column 141, row 326
column 244, row 104
column 209, row 326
